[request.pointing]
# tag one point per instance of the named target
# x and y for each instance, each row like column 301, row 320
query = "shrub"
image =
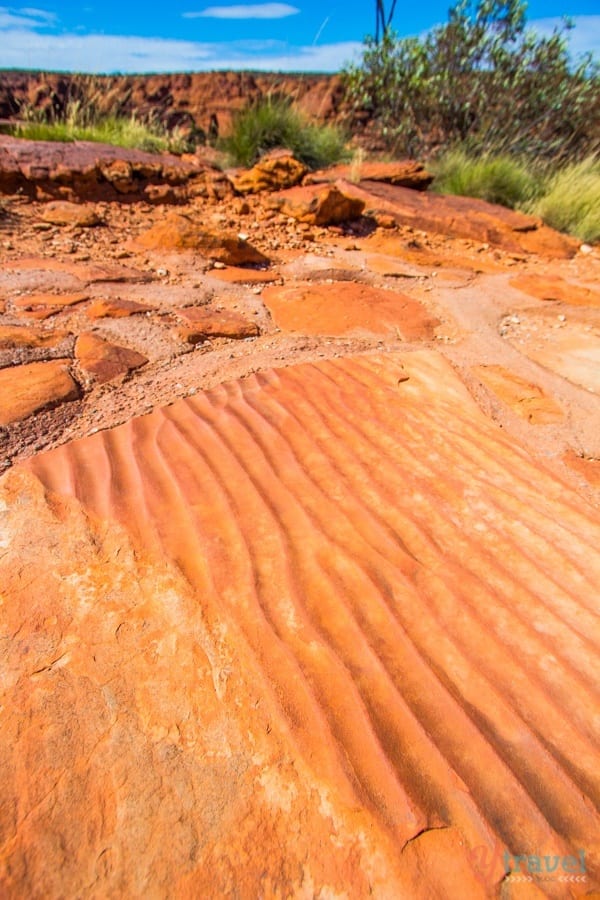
column 571, row 200
column 274, row 122
column 480, row 79
column 497, row 179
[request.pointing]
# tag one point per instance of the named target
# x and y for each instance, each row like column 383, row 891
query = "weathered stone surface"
column 203, row 322
column 464, row 217
column 27, row 389
column 556, row 288
column 86, row 170
column 239, row 275
column 564, row 340
column 348, row 308
column 318, row 204
column 87, row 273
column 403, row 173
column 390, row 267
column 103, row 360
column 588, row 467
column 64, row 213
column 41, row 306
column 115, row 308
column 274, row 172
column 527, row 400
column 299, row 635
column 14, row 336
column 179, row 232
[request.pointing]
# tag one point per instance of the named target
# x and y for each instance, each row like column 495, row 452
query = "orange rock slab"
column 103, row 360
column 318, row 204
column 203, row 322
column 27, row 389
column 14, row 336
column 42, row 306
column 556, row 288
column 464, row 217
column 526, row 399
column 323, row 631
column 404, row 173
column 115, row 308
column 60, row 212
column 350, row 309
column 179, row 232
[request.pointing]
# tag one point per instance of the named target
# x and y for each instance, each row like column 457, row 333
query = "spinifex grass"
column 274, row 122
column 566, row 198
column 83, row 123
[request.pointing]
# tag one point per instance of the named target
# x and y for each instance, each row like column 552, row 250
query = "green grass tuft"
column 571, row 200
column 566, row 198
column 273, row 123
column 80, row 123
column 497, row 179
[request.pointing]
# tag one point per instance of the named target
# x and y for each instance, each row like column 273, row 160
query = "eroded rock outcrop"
column 276, row 171
column 463, row 217
column 318, row 204
column 91, row 171
column 179, row 232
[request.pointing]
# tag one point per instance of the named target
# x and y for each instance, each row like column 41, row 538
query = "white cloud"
column 42, row 14
column 24, row 18
column 95, row 53
column 245, row 11
column 583, row 38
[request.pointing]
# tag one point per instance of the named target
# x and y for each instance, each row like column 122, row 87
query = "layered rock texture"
column 299, row 544
column 372, row 646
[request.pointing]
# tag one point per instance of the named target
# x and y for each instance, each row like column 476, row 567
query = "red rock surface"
column 64, row 213
column 563, row 339
column 588, row 467
column 318, row 204
column 202, row 323
column 179, row 232
column 86, row 170
column 12, row 336
column 377, row 678
column 27, row 389
column 557, row 289
column 527, row 400
column 348, row 309
column 274, row 172
column 41, row 306
column 103, row 360
column 115, row 308
column 403, row 173
column 239, row 275
column 464, row 217
column 87, row 273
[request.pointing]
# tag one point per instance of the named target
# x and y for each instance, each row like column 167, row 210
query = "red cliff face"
column 174, row 99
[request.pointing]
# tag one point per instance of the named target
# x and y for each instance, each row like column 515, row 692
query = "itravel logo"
column 491, row 865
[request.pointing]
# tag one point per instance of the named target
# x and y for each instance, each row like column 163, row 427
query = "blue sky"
column 189, row 35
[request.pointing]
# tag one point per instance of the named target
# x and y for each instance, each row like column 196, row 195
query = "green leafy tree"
column 483, row 80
